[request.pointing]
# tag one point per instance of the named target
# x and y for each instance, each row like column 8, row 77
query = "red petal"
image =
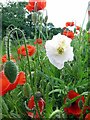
column 20, row 80
column 4, row 84
column 30, row 114
column 72, row 94
column 41, row 104
column 74, row 108
column 87, row 116
column 31, row 103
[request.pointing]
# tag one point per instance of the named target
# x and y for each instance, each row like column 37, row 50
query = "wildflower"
column 30, row 6
column 77, row 27
column 31, row 105
column 4, row 58
column 75, row 107
column 87, row 117
column 40, row 5
column 58, row 50
column 6, row 85
column 69, row 34
column 38, row 41
column 31, row 50
column 69, row 24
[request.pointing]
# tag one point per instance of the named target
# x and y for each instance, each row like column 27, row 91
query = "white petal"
column 52, row 53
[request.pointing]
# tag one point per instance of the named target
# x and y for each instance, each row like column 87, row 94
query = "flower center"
column 60, row 50
column 61, row 47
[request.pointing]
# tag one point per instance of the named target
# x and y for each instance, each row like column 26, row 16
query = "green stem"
column 8, row 49
column 8, row 42
column 43, row 35
column 46, row 31
column 30, row 73
column 35, row 32
column 28, row 65
column 8, row 46
column 35, row 78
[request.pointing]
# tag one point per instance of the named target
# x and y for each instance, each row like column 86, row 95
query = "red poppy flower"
column 30, row 6
column 38, row 41
column 31, row 50
column 69, row 34
column 31, row 105
column 74, row 108
column 87, row 117
column 69, row 24
column 77, row 27
column 41, row 4
column 6, row 86
column 4, row 58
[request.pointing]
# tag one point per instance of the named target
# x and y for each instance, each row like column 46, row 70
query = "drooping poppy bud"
column 27, row 90
column 10, row 70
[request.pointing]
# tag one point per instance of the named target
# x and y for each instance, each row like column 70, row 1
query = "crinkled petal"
column 21, row 79
column 41, row 104
column 31, row 103
column 4, row 84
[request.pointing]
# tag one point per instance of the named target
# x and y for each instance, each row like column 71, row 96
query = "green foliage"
column 88, row 26
column 15, row 14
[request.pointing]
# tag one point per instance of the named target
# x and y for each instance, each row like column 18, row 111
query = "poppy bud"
column 10, row 70
column 46, row 18
column 34, row 17
column 27, row 90
column 38, row 95
column 80, row 104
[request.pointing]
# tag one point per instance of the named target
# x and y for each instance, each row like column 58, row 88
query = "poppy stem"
column 29, row 70
column 26, row 53
column 8, row 45
column 8, row 41
column 31, row 82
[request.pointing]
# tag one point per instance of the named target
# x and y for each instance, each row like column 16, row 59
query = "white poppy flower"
column 58, row 50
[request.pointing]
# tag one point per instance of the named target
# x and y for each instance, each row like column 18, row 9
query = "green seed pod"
column 10, row 70
column 27, row 90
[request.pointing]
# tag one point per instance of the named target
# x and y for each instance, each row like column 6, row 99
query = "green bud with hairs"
column 10, row 71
